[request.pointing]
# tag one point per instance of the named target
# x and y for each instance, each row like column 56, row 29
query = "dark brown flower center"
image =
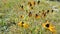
column 36, row 15
column 22, row 22
column 47, row 25
column 38, row 2
column 47, row 11
column 30, row 14
column 52, row 11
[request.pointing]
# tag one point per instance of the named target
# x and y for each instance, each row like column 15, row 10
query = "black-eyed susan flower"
column 49, row 26
column 21, row 7
column 22, row 16
column 31, row 3
column 34, row 2
column 37, row 16
column 43, row 13
column 47, row 11
column 23, row 24
column 30, row 14
column 20, row 23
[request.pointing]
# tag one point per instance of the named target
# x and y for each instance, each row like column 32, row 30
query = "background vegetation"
column 11, row 12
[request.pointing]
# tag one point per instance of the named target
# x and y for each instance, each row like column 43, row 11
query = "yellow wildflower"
column 37, row 16
column 22, row 24
column 22, row 7
column 22, row 16
column 49, row 26
column 31, row 3
column 30, row 14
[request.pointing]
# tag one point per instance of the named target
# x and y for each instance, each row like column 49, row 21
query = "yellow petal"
column 25, row 25
column 19, row 24
column 52, row 29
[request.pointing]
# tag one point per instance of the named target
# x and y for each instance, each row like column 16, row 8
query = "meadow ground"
column 29, row 17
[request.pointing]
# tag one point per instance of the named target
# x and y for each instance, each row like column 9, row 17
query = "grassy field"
column 29, row 17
